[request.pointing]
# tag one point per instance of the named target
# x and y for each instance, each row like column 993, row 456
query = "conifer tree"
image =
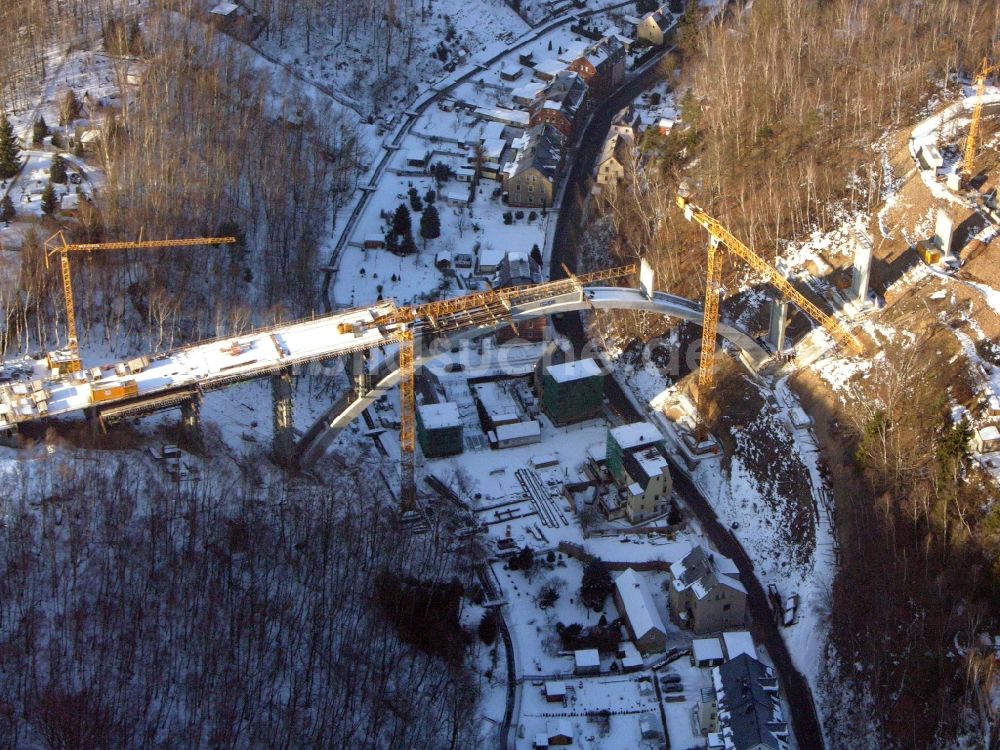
column 49, row 199
column 39, row 130
column 57, row 171
column 7, row 212
column 430, row 223
column 10, row 150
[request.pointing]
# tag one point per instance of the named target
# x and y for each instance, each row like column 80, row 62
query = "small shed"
column 457, row 197
column 739, row 642
column 555, row 691
column 442, row 259
column 560, row 732
column 513, row 435
column 511, row 72
column 629, row 657
column 706, row 652
column 374, row 242
column 418, row 157
column 587, row 661
column 986, row 439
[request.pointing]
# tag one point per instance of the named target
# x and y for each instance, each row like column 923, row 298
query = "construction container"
column 138, row 364
column 573, row 391
column 439, row 429
column 110, row 390
column 928, row 252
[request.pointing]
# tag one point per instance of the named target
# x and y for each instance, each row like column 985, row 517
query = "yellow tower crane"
column 68, row 359
column 720, row 236
column 480, row 309
column 971, row 141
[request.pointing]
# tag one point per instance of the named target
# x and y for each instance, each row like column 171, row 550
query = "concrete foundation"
column 283, row 446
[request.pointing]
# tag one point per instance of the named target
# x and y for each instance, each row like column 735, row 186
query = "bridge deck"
column 204, row 366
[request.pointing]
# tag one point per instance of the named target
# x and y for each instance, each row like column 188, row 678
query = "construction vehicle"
column 719, row 236
column 971, row 141
column 67, row 359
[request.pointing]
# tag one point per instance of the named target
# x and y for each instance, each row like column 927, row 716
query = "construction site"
column 502, row 417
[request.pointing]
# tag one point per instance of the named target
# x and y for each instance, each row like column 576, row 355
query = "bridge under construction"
column 178, row 378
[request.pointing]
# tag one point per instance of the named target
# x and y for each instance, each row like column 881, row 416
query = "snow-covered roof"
column 550, row 67
column 630, row 654
column 560, row 727
column 224, row 9
column 555, row 688
column 640, row 609
column 587, row 657
column 739, row 642
column 651, row 462
column 457, row 196
column 70, row 202
column 570, row 371
column 706, row 649
column 528, row 91
column 493, row 148
column 731, row 582
column 542, row 149
column 989, row 433
column 490, row 258
column 636, row 435
column 501, row 114
column 517, row 430
column 439, row 416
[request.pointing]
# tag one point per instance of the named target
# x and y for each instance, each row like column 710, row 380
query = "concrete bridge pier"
column 283, row 446
column 778, row 323
column 355, row 365
column 191, row 422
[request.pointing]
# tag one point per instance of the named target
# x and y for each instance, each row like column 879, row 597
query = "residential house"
column 602, row 66
column 518, row 269
column 615, row 158
column 587, row 661
column 636, row 605
column 986, row 439
column 555, row 691
column 548, row 69
column 743, row 708
column 705, row 593
column 561, row 103
column 706, row 652
column 530, row 179
column 628, row 123
column 653, row 26
column 637, row 459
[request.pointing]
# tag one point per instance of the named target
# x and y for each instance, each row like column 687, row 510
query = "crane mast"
column 719, row 235
column 68, row 360
column 492, row 307
column 971, row 141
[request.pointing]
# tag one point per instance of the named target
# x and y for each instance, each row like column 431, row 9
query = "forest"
column 238, row 611
column 194, row 146
column 784, row 106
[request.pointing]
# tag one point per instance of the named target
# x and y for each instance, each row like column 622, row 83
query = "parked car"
column 674, row 687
